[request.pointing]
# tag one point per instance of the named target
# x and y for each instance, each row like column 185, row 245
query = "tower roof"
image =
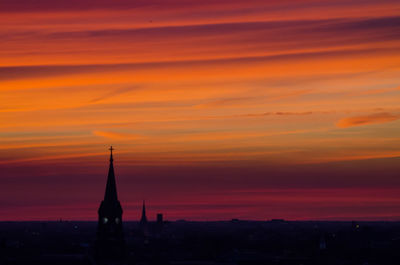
column 143, row 220
column 111, row 188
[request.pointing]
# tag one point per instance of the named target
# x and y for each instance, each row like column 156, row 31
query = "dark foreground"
column 235, row 242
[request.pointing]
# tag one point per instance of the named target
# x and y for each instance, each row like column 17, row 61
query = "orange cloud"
column 117, row 136
column 368, row 119
column 278, row 113
column 205, row 82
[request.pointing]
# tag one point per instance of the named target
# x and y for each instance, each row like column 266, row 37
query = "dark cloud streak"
column 21, row 72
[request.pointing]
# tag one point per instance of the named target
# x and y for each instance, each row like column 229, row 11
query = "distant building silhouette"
column 159, row 224
column 160, row 218
column 143, row 219
column 143, row 222
column 110, row 242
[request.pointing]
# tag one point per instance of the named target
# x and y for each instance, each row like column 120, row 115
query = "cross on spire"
column 111, row 187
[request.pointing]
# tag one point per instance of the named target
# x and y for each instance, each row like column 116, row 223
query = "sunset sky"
column 216, row 109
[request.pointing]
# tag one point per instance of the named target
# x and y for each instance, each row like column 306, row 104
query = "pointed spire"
column 111, row 188
column 111, row 156
column 143, row 220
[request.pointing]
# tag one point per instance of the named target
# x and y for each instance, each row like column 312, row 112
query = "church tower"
column 144, row 227
column 143, row 219
column 110, row 243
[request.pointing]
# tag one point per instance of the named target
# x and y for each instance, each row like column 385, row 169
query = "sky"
column 216, row 109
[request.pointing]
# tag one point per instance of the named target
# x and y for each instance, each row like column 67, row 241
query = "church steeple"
column 143, row 222
column 110, row 243
column 143, row 219
column 111, row 187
